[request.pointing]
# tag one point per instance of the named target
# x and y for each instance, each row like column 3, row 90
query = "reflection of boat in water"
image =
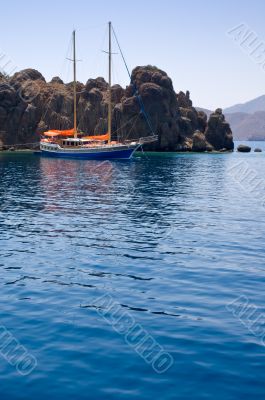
column 67, row 186
column 74, row 144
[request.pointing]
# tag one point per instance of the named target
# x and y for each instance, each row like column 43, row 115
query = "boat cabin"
column 72, row 142
column 75, row 142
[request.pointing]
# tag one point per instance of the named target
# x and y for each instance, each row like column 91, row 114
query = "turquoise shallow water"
column 171, row 240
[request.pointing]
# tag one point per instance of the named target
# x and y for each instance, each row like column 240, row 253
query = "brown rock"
column 98, row 83
column 58, row 80
column 29, row 106
column 242, row 148
column 117, row 93
column 199, row 142
column 183, row 99
column 218, row 132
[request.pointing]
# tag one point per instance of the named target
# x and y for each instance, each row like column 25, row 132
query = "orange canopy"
column 71, row 132
column 55, row 132
column 97, row 137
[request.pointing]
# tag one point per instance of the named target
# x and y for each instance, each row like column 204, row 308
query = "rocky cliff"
column 29, row 105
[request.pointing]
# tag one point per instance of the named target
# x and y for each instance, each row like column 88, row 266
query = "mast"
column 74, row 64
column 109, row 104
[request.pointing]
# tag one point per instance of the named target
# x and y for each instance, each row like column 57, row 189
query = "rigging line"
column 81, row 118
column 94, row 64
column 134, row 84
column 69, row 48
column 133, row 125
column 117, row 130
column 121, row 127
column 139, row 98
column 126, row 66
column 114, row 72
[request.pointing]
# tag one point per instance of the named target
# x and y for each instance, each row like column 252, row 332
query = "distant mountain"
column 249, row 107
column 247, row 126
column 247, row 120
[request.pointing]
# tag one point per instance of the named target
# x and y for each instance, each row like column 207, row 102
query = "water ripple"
column 171, row 240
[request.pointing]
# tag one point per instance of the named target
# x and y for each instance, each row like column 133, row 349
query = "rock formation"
column 218, row 132
column 243, row 148
column 29, row 105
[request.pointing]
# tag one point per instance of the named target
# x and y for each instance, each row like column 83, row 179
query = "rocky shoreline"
column 29, row 105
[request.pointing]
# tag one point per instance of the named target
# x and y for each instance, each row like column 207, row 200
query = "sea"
column 140, row 279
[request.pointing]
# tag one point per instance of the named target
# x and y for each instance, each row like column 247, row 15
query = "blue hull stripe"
column 104, row 155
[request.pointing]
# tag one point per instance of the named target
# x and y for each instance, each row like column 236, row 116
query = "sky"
column 187, row 39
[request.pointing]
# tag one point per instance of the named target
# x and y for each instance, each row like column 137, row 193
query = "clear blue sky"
column 187, row 39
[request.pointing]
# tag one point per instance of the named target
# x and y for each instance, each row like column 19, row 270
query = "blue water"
column 171, row 239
